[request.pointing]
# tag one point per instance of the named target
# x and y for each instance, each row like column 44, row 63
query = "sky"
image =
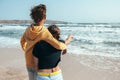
column 79, row 11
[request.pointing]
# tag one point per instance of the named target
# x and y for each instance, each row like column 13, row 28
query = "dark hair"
column 38, row 13
column 55, row 31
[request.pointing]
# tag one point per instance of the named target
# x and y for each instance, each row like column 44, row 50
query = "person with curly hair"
column 35, row 33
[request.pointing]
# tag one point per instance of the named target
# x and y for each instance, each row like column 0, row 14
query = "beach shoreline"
column 74, row 67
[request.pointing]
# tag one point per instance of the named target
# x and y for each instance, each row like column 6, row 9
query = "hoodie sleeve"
column 54, row 42
column 23, row 42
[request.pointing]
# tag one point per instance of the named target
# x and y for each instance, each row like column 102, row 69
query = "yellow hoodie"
column 31, row 36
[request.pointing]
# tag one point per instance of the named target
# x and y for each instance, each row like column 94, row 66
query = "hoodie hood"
column 32, row 32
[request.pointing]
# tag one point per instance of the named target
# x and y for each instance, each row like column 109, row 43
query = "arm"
column 36, row 63
column 54, row 42
column 35, row 54
column 67, row 42
column 23, row 42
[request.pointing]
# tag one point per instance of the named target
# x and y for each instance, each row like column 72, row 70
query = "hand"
column 64, row 52
column 70, row 36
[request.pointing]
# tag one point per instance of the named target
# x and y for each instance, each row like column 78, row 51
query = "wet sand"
column 82, row 67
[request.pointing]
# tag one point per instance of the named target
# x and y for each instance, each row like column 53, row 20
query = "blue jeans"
column 32, row 74
column 55, row 77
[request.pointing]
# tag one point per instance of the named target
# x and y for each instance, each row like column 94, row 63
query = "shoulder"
column 27, row 29
column 44, row 30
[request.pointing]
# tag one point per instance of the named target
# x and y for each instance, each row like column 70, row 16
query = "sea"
column 101, row 39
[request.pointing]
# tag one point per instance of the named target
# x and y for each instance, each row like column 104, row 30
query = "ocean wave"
column 88, row 40
column 11, row 33
column 12, row 27
column 93, row 40
column 9, row 42
column 112, row 43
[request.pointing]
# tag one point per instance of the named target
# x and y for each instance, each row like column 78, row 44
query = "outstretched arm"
column 69, row 38
column 67, row 42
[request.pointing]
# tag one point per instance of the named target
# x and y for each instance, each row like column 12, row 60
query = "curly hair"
column 38, row 13
column 55, row 31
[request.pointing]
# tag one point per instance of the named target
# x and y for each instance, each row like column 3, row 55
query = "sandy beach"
column 74, row 67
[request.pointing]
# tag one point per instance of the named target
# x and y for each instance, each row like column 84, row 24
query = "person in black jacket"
column 47, row 57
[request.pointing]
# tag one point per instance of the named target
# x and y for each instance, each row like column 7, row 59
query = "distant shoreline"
column 52, row 22
column 30, row 21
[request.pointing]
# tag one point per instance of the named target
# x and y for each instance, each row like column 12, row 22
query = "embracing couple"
column 43, row 47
